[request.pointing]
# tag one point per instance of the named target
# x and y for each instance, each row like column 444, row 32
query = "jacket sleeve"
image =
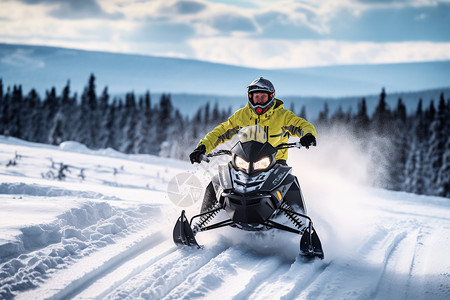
column 298, row 126
column 223, row 132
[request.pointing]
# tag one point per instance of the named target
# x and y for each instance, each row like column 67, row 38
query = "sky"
column 266, row 34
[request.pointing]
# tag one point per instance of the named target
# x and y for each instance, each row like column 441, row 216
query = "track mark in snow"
column 394, row 245
column 368, row 270
column 396, row 275
column 309, row 280
column 48, row 191
column 159, row 278
column 236, row 272
column 68, row 282
column 118, row 274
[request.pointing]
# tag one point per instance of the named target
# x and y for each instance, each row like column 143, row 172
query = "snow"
column 109, row 235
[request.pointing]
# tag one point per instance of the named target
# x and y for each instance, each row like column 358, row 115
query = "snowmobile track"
column 115, row 276
column 165, row 274
column 242, row 276
column 99, row 265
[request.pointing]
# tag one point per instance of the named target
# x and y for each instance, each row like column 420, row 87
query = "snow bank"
column 46, row 191
column 44, row 248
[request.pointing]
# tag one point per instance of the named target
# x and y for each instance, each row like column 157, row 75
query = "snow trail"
column 110, row 236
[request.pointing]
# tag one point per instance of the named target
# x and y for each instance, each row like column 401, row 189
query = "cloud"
column 226, row 23
column 160, row 31
column 394, row 24
column 282, row 33
column 278, row 25
column 341, row 21
column 189, row 7
column 275, row 54
column 75, row 9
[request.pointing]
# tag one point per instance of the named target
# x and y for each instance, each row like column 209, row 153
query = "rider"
column 265, row 110
column 262, row 109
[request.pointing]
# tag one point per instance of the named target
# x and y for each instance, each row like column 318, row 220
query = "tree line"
column 132, row 124
column 410, row 151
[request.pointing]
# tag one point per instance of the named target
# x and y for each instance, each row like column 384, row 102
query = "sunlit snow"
column 105, row 232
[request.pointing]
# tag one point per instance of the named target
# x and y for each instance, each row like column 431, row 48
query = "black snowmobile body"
column 256, row 192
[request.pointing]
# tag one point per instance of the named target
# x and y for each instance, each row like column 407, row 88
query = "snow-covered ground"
column 109, row 235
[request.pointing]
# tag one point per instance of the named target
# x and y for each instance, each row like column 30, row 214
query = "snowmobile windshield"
column 252, row 133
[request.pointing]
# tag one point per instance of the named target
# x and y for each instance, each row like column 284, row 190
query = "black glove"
column 197, row 153
column 308, row 140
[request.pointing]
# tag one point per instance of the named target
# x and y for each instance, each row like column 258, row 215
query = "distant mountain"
column 44, row 67
column 188, row 104
column 193, row 83
column 314, row 105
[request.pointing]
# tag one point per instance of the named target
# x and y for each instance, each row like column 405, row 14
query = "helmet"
column 265, row 86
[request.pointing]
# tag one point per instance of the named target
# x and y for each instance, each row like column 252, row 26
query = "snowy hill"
column 105, row 232
column 45, row 67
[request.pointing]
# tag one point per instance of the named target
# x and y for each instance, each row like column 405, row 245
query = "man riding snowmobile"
column 262, row 109
column 256, row 188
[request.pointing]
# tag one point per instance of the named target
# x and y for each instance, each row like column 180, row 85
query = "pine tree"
column 106, row 134
column 66, row 115
column 129, row 130
column 206, row 116
column 397, row 159
column 36, row 120
column 164, row 118
column 339, row 117
column 444, row 172
column 216, row 112
column 104, row 101
column 431, row 149
column 5, row 113
column 174, row 146
column 302, row 113
column 292, row 107
column 13, row 114
column 418, row 180
column 89, row 122
column 1, row 106
column 439, row 148
column 381, row 119
column 361, row 120
column 323, row 116
column 144, row 139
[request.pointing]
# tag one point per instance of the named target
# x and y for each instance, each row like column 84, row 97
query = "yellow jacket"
column 277, row 121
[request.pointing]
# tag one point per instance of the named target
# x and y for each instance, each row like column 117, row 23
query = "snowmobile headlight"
column 262, row 164
column 241, row 163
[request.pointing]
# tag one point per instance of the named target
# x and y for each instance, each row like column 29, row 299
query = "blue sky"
column 261, row 34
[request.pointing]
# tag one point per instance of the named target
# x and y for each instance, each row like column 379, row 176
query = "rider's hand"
column 308, row 140
column 195, row 156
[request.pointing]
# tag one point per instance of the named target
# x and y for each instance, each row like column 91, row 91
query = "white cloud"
column 211, row 40
column 270, row 54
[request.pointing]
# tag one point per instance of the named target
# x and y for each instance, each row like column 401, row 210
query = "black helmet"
column 265, row 86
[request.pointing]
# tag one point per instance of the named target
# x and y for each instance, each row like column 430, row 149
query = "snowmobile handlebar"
column 289, row 145
column 205, row 157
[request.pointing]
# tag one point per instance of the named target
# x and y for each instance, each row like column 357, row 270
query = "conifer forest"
column 410, row 150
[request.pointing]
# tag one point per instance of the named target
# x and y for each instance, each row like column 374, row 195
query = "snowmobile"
column 256, row 192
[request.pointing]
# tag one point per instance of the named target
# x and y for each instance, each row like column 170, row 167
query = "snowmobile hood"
column 253, row 151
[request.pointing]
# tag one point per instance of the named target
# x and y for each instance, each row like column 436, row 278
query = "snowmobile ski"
column 310, row 245
column 182, row 232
